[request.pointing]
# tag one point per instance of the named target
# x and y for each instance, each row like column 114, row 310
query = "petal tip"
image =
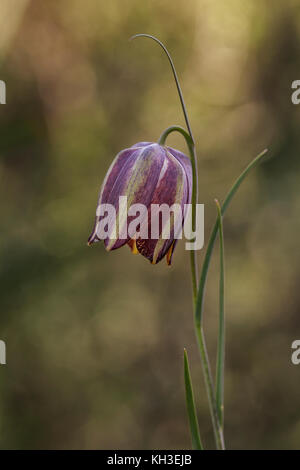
column 132, row 245
column 170, row 254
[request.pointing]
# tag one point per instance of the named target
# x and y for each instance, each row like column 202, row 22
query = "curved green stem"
column 193, row 257
column 191, row 145
column 181, row 130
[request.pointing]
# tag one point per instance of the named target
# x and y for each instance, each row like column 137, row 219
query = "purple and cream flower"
column 149, row 174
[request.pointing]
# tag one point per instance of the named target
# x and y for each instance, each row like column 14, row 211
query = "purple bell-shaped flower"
column 154, row 177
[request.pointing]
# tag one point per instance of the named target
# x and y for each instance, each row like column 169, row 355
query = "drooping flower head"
column 151, row 175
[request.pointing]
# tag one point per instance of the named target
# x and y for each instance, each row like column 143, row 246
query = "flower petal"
column 132, row 245
column 170, row 252
column 147, row 174
column 137, row 181
column 142, row 144
column 113, row 172
column 186, row 163
column 172, row 188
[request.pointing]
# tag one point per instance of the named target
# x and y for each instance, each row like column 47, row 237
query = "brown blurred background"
column 95, row 339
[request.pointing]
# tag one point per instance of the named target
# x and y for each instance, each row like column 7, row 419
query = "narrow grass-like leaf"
column 221, row 338
column 190, row 404
column 210, row 246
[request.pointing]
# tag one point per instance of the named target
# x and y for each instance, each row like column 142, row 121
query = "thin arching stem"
column 193, row 255
column 193, row 258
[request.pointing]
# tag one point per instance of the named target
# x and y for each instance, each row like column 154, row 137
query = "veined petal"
column 137, row 182
column 172, row 188
column 121, row 160
column 186, row 163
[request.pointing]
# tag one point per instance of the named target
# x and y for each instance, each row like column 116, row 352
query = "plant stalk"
column 220, row 367
column 193, row 255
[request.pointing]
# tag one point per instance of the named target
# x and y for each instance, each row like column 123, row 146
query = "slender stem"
column 193, row 255
column 180, row 129
column 198, row 328
column 221, row 340
column 190, row 405
column 209, row 387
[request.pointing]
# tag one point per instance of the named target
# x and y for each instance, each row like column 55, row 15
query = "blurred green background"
column 95, row 339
